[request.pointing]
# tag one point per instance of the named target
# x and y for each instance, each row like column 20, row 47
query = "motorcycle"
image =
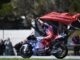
column 57, row 46
column 33, row 46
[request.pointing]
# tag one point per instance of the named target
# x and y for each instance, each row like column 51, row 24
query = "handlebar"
column 60, row 36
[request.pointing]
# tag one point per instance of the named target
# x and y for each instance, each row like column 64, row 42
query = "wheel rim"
column 25, row 53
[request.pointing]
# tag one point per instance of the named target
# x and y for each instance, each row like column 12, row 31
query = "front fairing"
column 32, row 42
column 36, row 44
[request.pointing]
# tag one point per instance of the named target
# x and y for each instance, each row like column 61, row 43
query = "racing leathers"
column 46, row 32
column 49, row 35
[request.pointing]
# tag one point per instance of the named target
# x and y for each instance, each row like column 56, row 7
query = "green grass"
column 22, row 59
column 33, row 59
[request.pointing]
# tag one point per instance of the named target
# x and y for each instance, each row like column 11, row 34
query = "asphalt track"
column 43, row 57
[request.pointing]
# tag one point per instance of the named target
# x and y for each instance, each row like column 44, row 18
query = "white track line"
column 53, row 57
column 43, row 57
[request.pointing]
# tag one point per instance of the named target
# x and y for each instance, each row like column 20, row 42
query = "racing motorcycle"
column 57, row 46
column 33, row 46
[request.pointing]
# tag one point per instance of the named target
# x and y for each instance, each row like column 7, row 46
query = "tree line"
column 38, row 7
column 35, row 8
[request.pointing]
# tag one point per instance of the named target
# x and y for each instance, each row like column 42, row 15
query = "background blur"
column 12, row 10
column 16, row 15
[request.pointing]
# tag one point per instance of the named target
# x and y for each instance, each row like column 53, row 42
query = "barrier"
column 15, row 35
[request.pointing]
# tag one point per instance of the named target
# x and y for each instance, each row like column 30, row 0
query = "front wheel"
column 26, row 51
column 62, row 52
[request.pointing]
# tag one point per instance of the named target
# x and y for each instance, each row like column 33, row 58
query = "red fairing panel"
column 64, row 18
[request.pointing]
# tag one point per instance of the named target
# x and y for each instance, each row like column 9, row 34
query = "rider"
column 48, row 34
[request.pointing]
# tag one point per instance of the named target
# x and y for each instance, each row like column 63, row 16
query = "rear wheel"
column 62, row 52
column 58, row 49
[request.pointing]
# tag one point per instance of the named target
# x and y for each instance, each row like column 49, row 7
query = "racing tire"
column 63, row 53
column 27, row 53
